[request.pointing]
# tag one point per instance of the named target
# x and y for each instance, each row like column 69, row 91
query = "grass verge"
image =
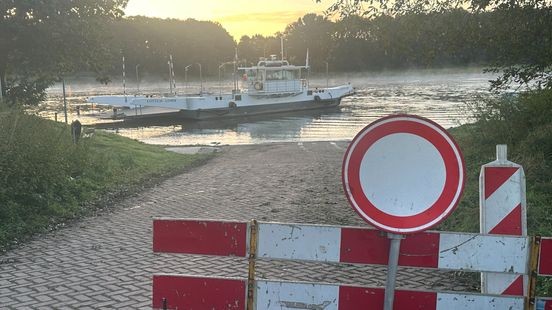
column 524, row 123
column 46, row 180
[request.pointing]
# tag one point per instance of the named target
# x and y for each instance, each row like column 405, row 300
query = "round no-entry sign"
column 403, row 174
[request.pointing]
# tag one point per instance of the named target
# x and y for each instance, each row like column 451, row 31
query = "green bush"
column 523, row 122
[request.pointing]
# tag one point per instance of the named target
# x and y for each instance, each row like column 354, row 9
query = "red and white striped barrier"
column 545, row 257
column 189, row 292
column 503, row 212
column 543, row 304
column 276, row 295
column 443, row 250
column 200, row 237
column 324, row 243
column 185, row 292
column 453, row 251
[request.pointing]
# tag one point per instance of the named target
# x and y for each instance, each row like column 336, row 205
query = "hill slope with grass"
column 524, row 123
column 46, row 180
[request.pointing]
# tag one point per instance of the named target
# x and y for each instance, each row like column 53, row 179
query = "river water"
column 440, row 95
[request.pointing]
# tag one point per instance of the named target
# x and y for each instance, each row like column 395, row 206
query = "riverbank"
column 46, row 180
column 291, row 182
column 110, row 254
column 524, row 123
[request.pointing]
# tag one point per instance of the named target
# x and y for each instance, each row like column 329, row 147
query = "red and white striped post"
column 503, row 211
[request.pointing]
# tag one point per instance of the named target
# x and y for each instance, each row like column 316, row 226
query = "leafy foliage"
column 251, row 48
column 41, row 41
column 521, row 30
column 374, row 8
column 313, row 32
column 354, row 43
column 149, row 42
column 523, row 48
column 523, row 122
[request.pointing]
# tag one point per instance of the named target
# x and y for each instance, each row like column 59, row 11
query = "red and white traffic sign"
column 403, row 174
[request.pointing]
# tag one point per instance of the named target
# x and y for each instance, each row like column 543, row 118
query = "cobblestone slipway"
column 107, row 261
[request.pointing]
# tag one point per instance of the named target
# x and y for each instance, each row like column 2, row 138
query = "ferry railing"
column 276, row 86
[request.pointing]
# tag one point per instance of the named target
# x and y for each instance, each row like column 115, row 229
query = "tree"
column 251, row 48
column 373, row 8
column 314, row 32
column 358, row 45
column 149, row 42
column 524, row 54
column 41, row 41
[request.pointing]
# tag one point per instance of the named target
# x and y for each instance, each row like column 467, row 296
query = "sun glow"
column 238, row 17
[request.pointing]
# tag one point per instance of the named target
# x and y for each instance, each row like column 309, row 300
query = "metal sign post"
column 394, row 249
column 402, row 174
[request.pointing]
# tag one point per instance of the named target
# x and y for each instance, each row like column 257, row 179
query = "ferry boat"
column 272, row 86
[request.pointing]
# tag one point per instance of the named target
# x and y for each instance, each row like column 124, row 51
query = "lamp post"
column 327, row 78
column 137, row 79
column 220, row 79
column 170, row 78
column 186, row 77
column 200, row 79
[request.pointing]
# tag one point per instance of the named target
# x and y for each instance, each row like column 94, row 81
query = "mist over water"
column 439, row 95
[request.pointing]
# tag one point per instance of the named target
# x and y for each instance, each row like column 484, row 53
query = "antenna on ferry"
column 307, row 67
column 235, row 73
column 282, row 46
column 170, row 76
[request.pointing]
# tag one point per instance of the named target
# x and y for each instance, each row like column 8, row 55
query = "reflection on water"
column 439, row 95
column 244, row 130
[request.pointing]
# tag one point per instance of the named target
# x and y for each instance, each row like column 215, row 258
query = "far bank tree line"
column 44, row 42
column 426, row 40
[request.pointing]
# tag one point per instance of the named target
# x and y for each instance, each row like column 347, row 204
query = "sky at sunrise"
column 238, row 17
